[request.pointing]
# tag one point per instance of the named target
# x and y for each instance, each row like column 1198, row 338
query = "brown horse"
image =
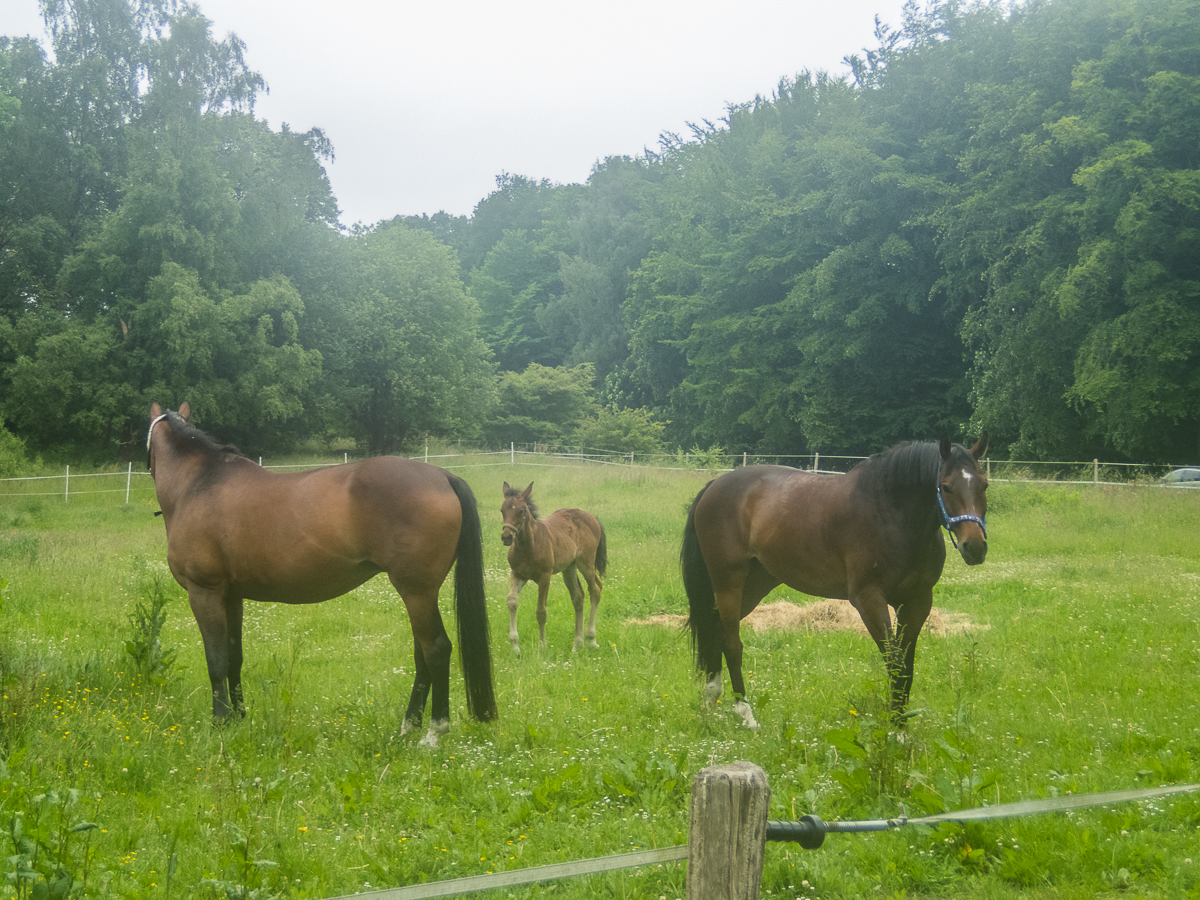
column 237, row 532
column 570, row 541
column 872, row 536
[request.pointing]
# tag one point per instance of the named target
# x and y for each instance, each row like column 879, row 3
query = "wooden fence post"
column 728, row 832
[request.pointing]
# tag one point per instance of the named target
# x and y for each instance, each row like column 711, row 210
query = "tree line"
column 993, row 223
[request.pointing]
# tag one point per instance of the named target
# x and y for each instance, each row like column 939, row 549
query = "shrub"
column 12, row 453
column 623, row 430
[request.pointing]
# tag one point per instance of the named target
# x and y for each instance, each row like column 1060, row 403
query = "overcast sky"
column 426, row 103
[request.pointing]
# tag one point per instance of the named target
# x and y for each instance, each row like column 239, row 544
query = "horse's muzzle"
column 973, row 550
column 507, row 533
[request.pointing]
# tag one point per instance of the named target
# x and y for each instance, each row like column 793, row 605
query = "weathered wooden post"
column 728, row 832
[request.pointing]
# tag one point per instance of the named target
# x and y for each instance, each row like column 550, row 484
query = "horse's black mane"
column 187, row 436
column 911, row 464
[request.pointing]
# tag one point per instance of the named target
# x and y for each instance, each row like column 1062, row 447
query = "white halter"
column 150, row 433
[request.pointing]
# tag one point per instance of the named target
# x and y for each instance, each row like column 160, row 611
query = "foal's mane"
column 529, row 504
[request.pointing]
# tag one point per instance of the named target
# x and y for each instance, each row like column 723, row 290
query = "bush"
column 12, row 453
column 622, row 430
column 541, row 405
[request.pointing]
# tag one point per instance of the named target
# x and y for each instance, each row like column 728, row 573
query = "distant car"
column 1182, row 477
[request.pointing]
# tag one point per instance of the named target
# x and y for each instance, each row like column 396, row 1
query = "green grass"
column 1084, row 679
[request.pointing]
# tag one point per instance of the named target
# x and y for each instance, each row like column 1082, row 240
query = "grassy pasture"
column 1082, row 677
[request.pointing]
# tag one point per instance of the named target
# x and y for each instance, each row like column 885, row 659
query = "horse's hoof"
column 742, row 708
column 593, row 644
column 711, row 693
column 408, row 725
column 516, row 651
column 436, row 729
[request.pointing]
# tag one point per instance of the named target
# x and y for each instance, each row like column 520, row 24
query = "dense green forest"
column 994, row 222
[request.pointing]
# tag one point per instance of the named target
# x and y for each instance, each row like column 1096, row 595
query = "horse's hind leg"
column 575, row 589
column 736, row 595
column 432, row 656
column 731, row 627
column 420, row 692
column 594, row 588
column 543, row 592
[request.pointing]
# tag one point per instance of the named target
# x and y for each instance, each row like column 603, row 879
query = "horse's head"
column 518, row 510
column 962, row 498
column 157, row 414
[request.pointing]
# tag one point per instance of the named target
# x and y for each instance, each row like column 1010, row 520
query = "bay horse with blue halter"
column 237, row 532
column 871, row 536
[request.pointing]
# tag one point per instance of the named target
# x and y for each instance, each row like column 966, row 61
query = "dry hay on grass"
column 823, row 615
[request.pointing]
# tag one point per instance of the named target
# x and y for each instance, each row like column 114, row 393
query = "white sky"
column 426, row 103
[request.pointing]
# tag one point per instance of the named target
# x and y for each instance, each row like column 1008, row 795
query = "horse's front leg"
column 514, row 593
column 220, row 622
column 910, row 619
column 872, row 606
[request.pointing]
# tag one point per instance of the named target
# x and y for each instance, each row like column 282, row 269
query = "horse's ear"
column 155, row 410
column 980, row 447
column 185, row 411
column 944, row 446
column 506, row 489
column 525, row 493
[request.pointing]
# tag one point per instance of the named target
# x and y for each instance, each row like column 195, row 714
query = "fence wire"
column 1094, row 472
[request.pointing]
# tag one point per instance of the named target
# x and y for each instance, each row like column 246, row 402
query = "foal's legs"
column 594, row 587
column 575, row 589
column 514, row 591
column 220, row 622
column 543, row 586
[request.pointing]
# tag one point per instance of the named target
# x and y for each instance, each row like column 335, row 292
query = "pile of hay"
column 823, row 615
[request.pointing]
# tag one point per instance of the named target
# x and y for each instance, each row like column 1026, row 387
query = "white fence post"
column 816, row 462
column 512, row 453
column 1095, row 471
column 128, row 479
column 67, row 485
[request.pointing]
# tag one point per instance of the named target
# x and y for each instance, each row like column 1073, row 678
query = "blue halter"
column 948, row 520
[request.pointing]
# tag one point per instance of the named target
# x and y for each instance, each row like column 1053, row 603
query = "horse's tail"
column 602, row 551
column 703, row 618
column 470, row 607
